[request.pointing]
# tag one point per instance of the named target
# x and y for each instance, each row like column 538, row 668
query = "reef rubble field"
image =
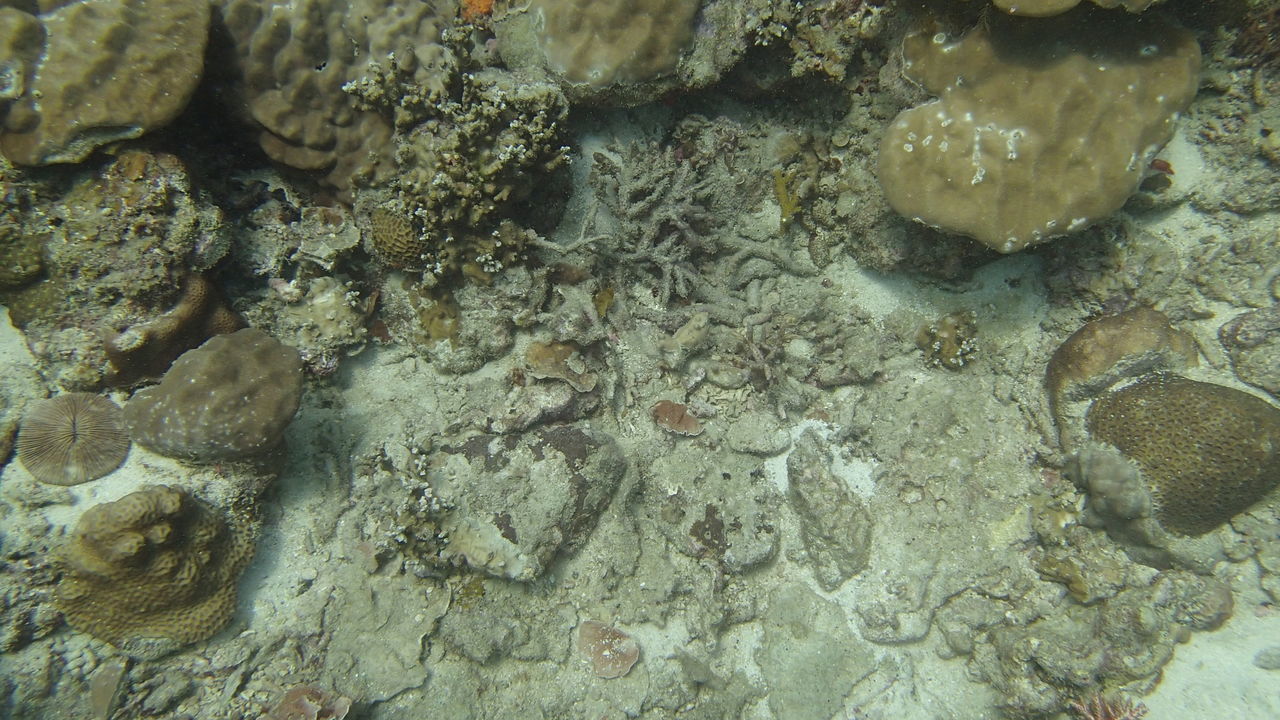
column 534, row 376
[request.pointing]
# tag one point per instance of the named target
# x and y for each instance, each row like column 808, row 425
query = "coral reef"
column 1206, row 451
column 72, row 438
column 81, row 75
column 148, row 349
column 988, row 159
column 151, row 572
column 603, row 43
column 293, row 61
column 229, row 399
column 465, row 175
column 123, row 246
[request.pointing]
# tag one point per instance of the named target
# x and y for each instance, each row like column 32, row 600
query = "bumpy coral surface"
column 487, row 153
column 151, row 572
column 94, row 72
column 1041, row 128
column 604, row 42
column 231, row 398
column 1207, row 451
column 72, row 438
column 294, row 59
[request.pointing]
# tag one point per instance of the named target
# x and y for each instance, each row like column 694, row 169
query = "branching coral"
column 664, row 219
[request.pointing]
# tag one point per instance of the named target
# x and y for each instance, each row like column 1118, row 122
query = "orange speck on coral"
column 473, row 10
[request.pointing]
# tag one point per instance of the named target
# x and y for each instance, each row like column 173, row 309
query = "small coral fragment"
column 72, row 438
column 950, row 342
column 674, row 417
column 612, row 652
column 559, row 361
column 151, row 572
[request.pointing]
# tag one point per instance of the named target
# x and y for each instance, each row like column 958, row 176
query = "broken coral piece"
column 674, row 417
column 611, row 651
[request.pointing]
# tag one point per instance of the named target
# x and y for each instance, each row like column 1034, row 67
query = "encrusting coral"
column 85, row 74
column 151, row 572
column 72, row 438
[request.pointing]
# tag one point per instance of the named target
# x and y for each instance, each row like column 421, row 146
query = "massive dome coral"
column 1041, row 127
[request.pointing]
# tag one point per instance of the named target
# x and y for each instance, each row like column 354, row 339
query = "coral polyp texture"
column 293, row 60
column 1206, row 451
column 93, row 72
column 603, row 42
column 151, row 572
column 1041, row 128
column 229, row 399
column 72, row 438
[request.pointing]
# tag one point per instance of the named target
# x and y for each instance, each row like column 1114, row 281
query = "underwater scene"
column 655, row 359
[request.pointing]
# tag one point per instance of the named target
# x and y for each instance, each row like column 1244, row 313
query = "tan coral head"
column 1041, row 127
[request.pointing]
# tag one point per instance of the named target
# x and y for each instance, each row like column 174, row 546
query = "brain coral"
column 1206, row 451
column 231, row 398
column 93, row 72
column 1041, row 127
column 72, row 438
column 151, row 572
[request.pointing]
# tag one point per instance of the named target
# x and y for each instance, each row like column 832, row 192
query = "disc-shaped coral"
column 1206, row 451
column 72, row 438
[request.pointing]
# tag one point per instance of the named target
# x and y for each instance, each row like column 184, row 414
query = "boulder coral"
column 1041, row 127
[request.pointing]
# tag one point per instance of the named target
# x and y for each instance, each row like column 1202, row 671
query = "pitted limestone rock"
column 515, row 502
column 1040, row 128
column 152, row 571
column 93, row 72
column 229, row 399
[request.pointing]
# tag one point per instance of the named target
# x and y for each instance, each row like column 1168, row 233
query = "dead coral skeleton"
column 663, row 219
column 1098, row 707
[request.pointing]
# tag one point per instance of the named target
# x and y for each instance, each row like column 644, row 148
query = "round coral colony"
column 72, row 438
